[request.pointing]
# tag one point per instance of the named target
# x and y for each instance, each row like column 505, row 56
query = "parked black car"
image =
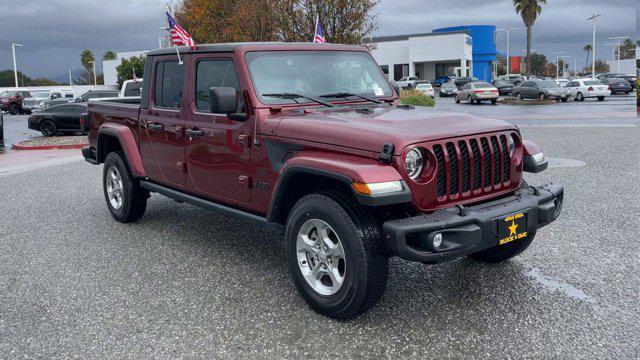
column 97, row 94
column 617, row 85
column 504, row 87
column 633, row 81
column 448, row 89
column 462, row 81
column 59, row 118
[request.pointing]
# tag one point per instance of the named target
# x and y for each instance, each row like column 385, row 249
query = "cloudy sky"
column 54, row 32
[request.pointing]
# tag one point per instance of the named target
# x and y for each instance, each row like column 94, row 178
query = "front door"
column 218, row 149
column 162, row 125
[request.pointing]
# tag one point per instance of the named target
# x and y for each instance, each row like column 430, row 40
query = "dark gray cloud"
column 55, row 32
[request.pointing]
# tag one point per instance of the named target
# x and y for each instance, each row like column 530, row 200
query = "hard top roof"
column 231, row 47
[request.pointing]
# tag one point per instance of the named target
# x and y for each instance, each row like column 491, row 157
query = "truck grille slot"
column 466, row 170
column 442, row 178
column 466, row 166
column 453, row 168
column 496, row 160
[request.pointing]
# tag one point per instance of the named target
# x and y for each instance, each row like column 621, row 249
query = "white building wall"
column 627, row 66
column 431, row 48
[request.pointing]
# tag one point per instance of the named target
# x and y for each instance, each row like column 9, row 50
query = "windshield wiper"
column 293, row 96
column 347, row 94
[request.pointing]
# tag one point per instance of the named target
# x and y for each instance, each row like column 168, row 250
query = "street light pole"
column 593, row 61
column 15, row 66
column 557, row 62
column 95, row 78
column 70, row 79
column 564, row 62
column 508, row 44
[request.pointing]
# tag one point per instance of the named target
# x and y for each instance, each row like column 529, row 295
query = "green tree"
column 7, row 80
column 109, row 55
column 538, row 63
column 86, row 76
column 601, row 67
column 588, row 49
column 529, row 11
column 627, row 49
column 128, row 66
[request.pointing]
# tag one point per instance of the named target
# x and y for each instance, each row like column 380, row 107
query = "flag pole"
column 170, row 11
column 315, row 31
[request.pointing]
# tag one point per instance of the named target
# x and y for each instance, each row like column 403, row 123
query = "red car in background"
column 11, row 101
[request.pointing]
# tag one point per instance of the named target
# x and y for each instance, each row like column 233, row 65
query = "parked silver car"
column 477, row 92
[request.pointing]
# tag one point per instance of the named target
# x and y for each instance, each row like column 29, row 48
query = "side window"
column 214, row 73
column 169, row 82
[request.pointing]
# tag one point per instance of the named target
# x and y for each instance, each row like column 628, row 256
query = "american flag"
column 318, row 37
column 179, row 36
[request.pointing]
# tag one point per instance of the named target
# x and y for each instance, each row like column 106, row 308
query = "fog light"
column 437, row 240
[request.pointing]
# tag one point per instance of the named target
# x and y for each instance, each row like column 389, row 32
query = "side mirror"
column 395, row 87
column 222, row 100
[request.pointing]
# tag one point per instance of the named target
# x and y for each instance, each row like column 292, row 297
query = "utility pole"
column 575, row 67
column 508, row 30
column 619, row 48
column 564, row 62
column 593, row 61
column 557, row 62
column 15, row 66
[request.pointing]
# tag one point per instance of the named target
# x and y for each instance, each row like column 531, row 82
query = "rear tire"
column 518, row 97
column 494, row 101
column 457, row 100
column 126, row 200
column 600, row 98
column 501, row 253
column 48, row 128
column 364, row 260
column 579, row 97
column 14, row 109
column 541, row 97
column 564, row 99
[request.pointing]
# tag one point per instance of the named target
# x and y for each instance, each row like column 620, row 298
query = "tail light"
column 83, row 121
column 479, row 91
column 590, row 88
column 494, row 91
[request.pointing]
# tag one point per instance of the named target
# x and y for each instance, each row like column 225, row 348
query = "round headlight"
column 413, row 163
column 512, row 146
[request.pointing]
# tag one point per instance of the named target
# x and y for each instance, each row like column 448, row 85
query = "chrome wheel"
column 321, row 257
column 115, row 192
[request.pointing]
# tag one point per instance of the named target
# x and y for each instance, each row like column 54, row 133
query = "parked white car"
column 426, row 89
column 562, row 82
column 581, row 89
column 131, row 88
column 408, row 82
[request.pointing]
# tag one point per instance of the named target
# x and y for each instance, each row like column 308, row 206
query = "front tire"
column 500, row 253
column 14, row 109
column 336, row 255
column 518, row 97
column 457, row 100
column 126, row 200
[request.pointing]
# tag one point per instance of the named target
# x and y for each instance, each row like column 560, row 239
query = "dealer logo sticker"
column 512, row 227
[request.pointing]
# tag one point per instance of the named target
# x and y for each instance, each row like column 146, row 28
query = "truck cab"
column 310, row 139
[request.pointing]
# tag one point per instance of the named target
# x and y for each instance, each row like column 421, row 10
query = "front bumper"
column 467, row 230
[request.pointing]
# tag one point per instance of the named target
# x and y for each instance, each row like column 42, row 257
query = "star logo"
column 513, row 228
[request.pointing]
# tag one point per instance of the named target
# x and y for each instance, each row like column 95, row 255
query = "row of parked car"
column 54, row 112
column 26, row 102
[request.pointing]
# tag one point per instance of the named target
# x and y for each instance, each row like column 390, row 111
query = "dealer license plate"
column 512, row 227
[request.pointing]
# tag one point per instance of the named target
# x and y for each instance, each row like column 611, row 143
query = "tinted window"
column 133, row 89
column 168, row 85
column 592, row 82
column 69, row 109
column 213, row 73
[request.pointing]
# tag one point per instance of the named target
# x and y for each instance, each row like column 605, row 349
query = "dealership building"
column 460, row 51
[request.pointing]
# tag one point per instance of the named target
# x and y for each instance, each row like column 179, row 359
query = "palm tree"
column 529, row 11
column 588, row 49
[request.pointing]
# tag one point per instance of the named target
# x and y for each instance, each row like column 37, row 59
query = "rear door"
column 162, row 125
column 218, row 149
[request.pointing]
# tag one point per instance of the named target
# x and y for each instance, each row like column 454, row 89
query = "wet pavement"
column 185, row 282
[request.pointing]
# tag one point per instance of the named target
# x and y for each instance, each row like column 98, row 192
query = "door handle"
column 155, row 126
column 194, row 132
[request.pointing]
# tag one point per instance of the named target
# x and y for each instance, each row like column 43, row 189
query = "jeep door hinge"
column 244, row 140
column 244, row 181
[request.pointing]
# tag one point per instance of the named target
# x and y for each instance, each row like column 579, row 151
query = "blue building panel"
column 484, row 47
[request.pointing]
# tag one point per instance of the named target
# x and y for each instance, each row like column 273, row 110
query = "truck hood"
column 369, row 128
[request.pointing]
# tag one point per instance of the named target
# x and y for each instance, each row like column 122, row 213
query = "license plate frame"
column 512, row 227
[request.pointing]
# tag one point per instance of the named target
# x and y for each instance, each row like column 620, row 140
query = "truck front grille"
column 471, row 166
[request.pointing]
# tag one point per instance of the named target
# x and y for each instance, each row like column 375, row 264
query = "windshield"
column 6, row 93
column 423, row 86
column 449, row 85
column 315, row 73
column 547, row 84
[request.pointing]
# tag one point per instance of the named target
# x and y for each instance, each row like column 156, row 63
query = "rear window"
column 482, row 86
column 133, row 89
column 169, row 82
column 592, row 82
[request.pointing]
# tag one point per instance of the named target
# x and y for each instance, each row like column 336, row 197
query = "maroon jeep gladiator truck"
column 311, row 139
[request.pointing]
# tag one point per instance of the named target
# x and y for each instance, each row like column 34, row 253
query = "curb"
column 47, row 147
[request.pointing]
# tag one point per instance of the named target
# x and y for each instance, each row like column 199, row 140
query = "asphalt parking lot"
column 185, row 282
